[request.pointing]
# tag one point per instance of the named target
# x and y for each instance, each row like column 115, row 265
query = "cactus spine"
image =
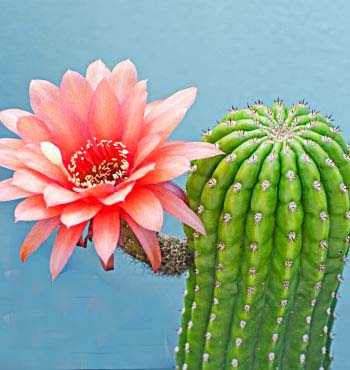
column 262, row 292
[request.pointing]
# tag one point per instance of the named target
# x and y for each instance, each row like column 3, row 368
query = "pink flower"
column 95, row 150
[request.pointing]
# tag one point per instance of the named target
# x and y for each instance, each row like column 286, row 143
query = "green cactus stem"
column 262, row 291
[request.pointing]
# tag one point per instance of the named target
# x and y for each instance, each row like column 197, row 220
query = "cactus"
column 262, row 291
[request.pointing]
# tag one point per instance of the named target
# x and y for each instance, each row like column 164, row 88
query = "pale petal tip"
column 33, row 83
column 193, row 92
column 54, row 273
column 105, row 257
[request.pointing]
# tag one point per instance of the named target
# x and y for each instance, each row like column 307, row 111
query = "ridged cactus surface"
column 262, row 292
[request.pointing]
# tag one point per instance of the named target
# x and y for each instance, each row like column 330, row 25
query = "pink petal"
column 11, row 192
column 190, row 150
column 34, row 208
column 124, row 78
column 181, row 99
column 37, row 235
column 177, row 208
column 145, row 147
column 14, row 144
column 73, row 135
column 145, row 208
column 166, row 169
column 96, row 72
column 175, row 189
column 9, row 118
column 67, row 130
column 54, row 155
column 165, row 123
column 30, row 180
column 133, row 112
column 76, row 93
column 103, row 114
column 41, row 92
column 119, row 195
column 32, row 130
column 141, row 172
column 106, row 229
column 78, row 212
column 32, row 157
column 65, row 243
column 151, row 106
column 98, row 191
column 148, row 240
column 109, row 265
column 55, row 195
column 8, row 153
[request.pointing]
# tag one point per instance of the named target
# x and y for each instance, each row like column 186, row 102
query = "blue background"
column 235, row 52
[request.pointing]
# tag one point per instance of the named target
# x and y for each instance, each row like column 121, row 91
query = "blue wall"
column 235, row 52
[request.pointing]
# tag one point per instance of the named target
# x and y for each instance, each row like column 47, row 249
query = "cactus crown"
column 262, row 291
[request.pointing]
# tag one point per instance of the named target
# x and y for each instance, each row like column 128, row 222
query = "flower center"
column 99, row 162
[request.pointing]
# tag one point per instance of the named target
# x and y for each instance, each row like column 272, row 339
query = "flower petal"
column 80, row 211
column 9, row 118
column 106, row 230
column 181, row 99
column 55, row 195
column 41, row 92
column 11, row 192
column 145, row 208
column 166, row 169
column 124, row 78
column 133, row 112
column 32, row 157
column 96, row 72
column 175, row 189
column 53, row 154
column 37, row 235
column 67, row 130
column 30, row 180
column 140, row 172
column 103, row 120
column 119, row 195
column 109, row 265
column 76, row 93
column 177, row 208
column 152, row 105
column 190, row 150
column 165, row 123
column 8, row 153
column 64, row 245
column 98, row 191
column 145, row 147
column 34, row 208
column 32, row 130
column 148, row 240
column 14, row 144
